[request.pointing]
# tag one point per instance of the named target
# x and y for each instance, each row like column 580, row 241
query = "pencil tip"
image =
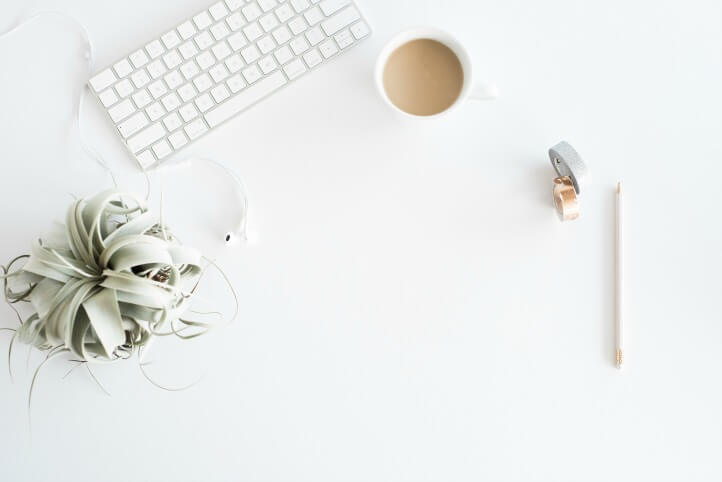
column 619, row 187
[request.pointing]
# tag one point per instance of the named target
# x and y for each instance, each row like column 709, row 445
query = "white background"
column 412, row 310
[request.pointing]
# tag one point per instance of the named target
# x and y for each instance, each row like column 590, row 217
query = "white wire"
column 241, row 228
column 240, row 190
column 90, row 58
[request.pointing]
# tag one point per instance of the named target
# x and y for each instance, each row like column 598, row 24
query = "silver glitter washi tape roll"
column 572, row 174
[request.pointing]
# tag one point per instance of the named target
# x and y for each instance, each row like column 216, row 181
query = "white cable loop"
column 90, row 58
column 240, row 230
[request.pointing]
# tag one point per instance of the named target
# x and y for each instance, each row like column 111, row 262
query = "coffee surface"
column 423, row 77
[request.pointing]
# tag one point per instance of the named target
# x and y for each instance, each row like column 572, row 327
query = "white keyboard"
column 215, row 65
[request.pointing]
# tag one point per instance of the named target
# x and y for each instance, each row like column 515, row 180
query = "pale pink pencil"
column 620, row 280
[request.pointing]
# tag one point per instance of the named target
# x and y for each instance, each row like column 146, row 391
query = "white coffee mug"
column 470, row 89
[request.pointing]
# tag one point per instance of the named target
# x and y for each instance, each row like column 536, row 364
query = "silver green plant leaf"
column 105, row 283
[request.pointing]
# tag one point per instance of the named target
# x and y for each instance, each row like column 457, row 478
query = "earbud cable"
column 89, row 56
column 94, row 154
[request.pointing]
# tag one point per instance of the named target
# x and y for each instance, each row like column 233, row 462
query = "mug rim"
column 432, row 33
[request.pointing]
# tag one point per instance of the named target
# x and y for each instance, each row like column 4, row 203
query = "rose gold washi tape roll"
column 572, row 173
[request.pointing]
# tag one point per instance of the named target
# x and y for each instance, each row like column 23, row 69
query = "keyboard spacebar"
column 245, row 99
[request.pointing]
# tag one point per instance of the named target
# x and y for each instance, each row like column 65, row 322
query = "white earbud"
column 231, row 239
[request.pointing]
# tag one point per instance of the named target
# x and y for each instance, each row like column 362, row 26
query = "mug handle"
column 483, row 91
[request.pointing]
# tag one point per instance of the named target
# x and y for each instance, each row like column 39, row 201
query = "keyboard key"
column 344, row 39
column 236, row 83
column 123, row 68
column 218, row 11
column 360, row 30
column 221, row 50
column 204, row 40
column 235, row 21
column 140, row 78
column 155, row 49
column 155, row 111
column 189, row 70
column 172, row 122
column 172, row 59
column 234, row 4
column 252, row 74
column 188, row 112
column 145, row 159
column 297, row 25
column 174, row 79
column 108, row 97
column 329, row 7
column 162, row 149
column 269, row 22
column 220, row 31
column 313, row 16
column 267, row 5
column 234, row 63
column 300, row 5
column 283, row 55
column 146, row 137
column 124, row 88
column 245, row 98
column 250, row 54
column 203, row 82
column 282, row 35
column 220, row 93
column 237, row 41
column 142, row 98
column 156, row 69
column 186, row 30
column 121, row 111
column 299, row 45
column 103, row 80
column 178, row 139
column 340, row 21
column 187, row 92
column 315, row 35
column 188, row 50
column 218, row 73
column 205, row 60
column 204, row 102
column 202, row 20
column 139, row 58
column 171, row 102
column 251, row 12
column 266, row 44
column 294, row 69
column 284, row 13
column 157, row 89
column 328, row 48
column 267, row 64
column 196, row 129
column 171, row 39
column 312, row 58
column 134, row 123
column 253, row 31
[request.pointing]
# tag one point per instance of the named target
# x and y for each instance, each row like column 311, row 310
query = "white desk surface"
column 412, row 310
